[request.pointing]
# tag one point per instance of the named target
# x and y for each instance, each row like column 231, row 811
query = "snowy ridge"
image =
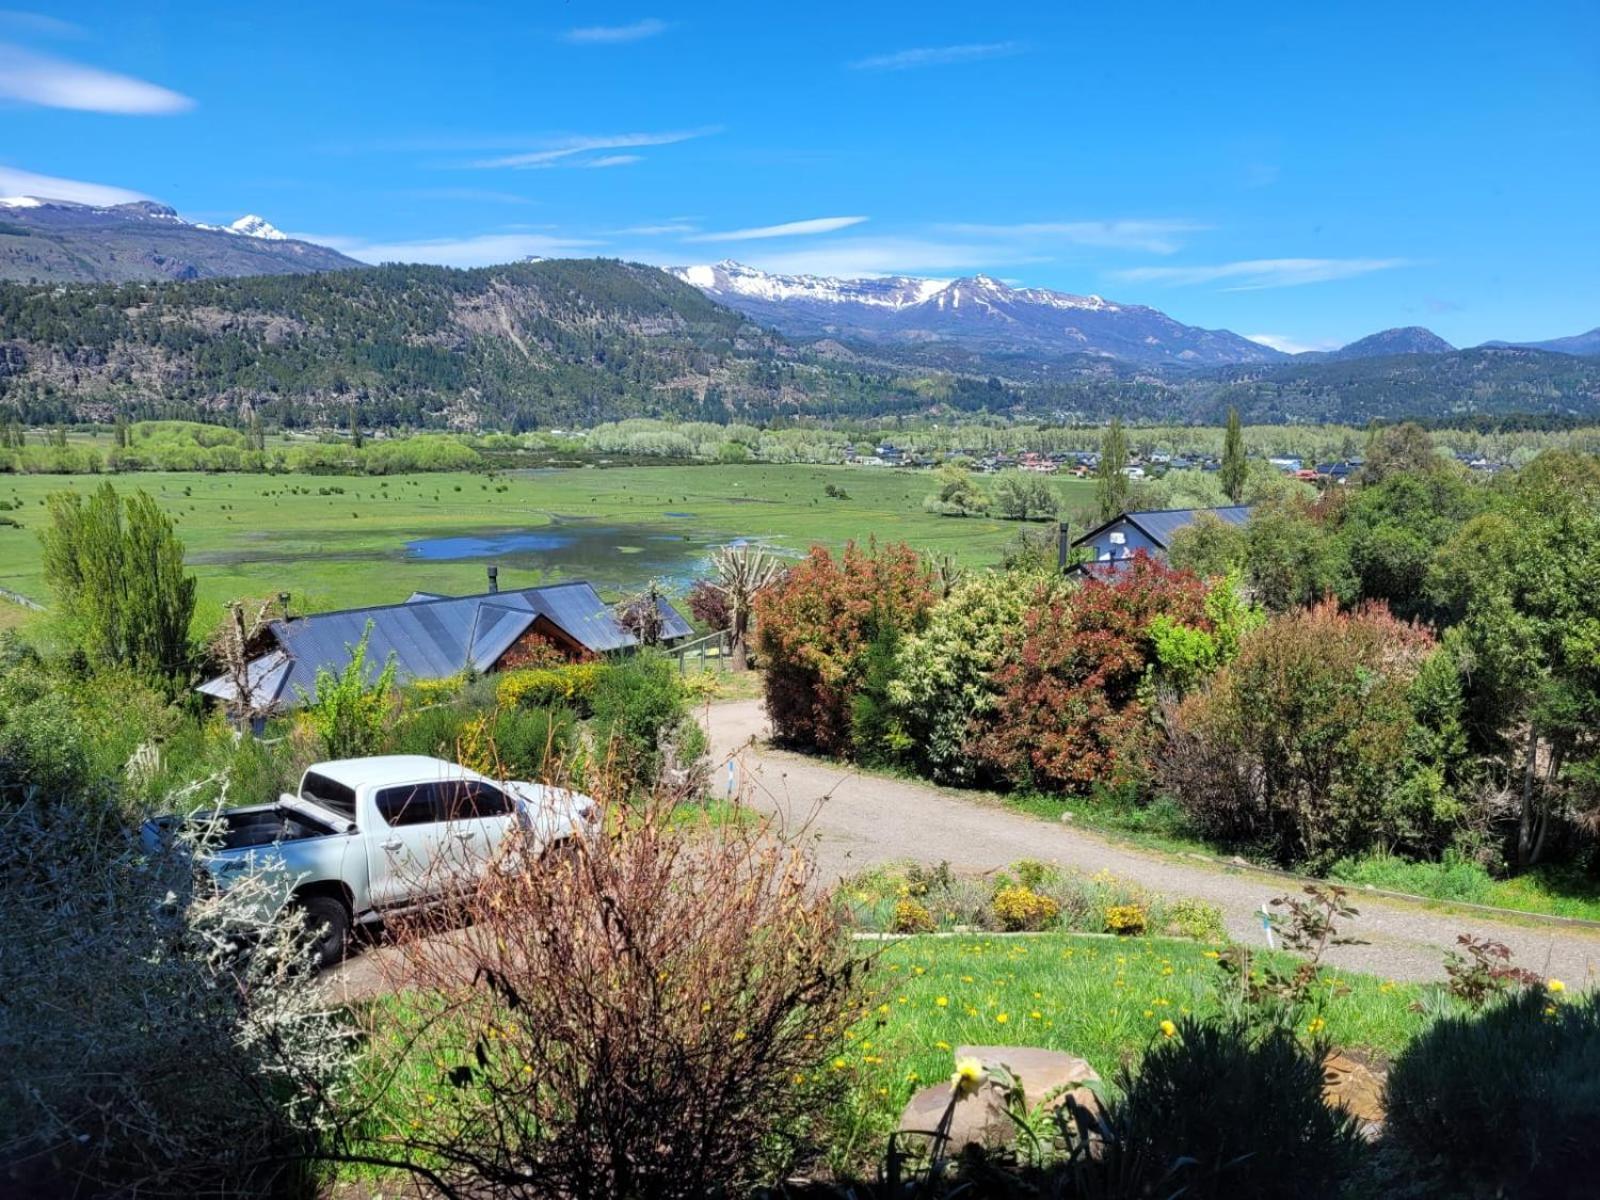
column 983, row 312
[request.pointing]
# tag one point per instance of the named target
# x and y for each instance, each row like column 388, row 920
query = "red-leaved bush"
column 709, row 605
column 1069, row 713
column 1299, row 746
column 815, row 630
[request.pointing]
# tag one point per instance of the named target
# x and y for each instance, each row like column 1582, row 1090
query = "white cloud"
column 1255, row 273
column 787, row 229
column 1155, row 236
column 56, row 83
column 480, row 250
column 660, row 229
column 611, row 160
column 39, row 24
column 1291, row 345
column 592, row 35
column 14, row 182
column 852, row 258
column 934, row 56
column 559, row 151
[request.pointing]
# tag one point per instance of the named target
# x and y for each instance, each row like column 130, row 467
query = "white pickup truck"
column 367, row 837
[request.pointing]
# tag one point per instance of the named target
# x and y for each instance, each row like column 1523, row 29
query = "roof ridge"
column 437, row 599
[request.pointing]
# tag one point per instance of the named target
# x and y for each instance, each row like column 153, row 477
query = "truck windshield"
column 330, row 793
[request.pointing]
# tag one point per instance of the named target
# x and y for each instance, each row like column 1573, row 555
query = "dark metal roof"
column 435, row 638
column 1160, row 524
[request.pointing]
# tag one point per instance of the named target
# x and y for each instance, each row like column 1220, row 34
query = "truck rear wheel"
column 327, row 928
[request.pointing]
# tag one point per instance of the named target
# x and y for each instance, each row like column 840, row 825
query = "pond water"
column 614, row 554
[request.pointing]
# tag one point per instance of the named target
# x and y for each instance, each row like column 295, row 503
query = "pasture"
column 338, row 541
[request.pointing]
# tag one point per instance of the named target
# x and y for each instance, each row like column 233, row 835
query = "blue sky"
column 1308, row 173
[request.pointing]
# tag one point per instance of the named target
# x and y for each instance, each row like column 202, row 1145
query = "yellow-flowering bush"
column 540, row 687
column 1019, row 908
column 1129, row 919
column 910, row 916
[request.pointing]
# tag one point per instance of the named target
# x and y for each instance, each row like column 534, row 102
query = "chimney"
column 1063, row 545
column 494, row 578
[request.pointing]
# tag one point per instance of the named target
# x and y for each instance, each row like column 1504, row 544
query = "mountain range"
column 57, row 241
column 977, row 312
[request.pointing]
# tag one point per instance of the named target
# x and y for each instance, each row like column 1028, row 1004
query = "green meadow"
column 337, row 541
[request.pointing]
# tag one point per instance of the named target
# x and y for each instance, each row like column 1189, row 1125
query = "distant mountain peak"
column 978, row 312
column 251, row 225
column 1408, row 339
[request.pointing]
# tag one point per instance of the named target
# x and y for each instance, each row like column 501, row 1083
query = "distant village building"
column 1119, row 539
column 435, row 637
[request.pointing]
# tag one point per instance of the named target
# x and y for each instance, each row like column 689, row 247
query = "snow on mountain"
column 251, row 225
column 980, row 312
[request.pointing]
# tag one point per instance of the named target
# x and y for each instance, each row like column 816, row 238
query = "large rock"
column 1350, row 1084
column 1046, row 1078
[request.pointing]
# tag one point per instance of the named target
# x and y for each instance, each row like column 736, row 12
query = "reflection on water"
column 616, row 555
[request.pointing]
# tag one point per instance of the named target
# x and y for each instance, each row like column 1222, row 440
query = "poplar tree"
column 1111, row 486
column 1234, row 467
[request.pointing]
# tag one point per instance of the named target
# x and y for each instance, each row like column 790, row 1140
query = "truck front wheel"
column 327, row 928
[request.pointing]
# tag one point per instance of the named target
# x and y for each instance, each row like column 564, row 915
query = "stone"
column 1046, row 1077
column 1354, row 1087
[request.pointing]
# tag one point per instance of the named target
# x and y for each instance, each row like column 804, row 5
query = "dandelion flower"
column 942, row 1001
column 1168, row 1029
column 968, row 1077
column 1316, row 1026
column 1001, row 1018
column 1555, row 985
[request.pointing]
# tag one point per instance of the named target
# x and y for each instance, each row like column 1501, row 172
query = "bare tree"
column 234, row 644
column 743, row 571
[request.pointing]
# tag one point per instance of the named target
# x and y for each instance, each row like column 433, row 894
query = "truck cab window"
column 413, row 804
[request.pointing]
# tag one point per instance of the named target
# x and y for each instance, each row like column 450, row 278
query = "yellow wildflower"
column 1316, row 1026
column 1001, row 1018
column 1555, row 985
column 1168, row 1029
column 968, row 1077
column 942, row 1001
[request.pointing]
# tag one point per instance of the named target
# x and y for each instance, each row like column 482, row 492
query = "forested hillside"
column 580, row 341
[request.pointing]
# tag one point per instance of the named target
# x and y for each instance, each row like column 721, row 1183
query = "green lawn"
column 1099, row 998
column 337, row 541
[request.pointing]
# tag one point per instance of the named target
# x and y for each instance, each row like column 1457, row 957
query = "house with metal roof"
column 434, row 637
column 1122, row 537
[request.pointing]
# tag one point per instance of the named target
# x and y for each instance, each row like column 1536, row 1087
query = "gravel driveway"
column 860, row 820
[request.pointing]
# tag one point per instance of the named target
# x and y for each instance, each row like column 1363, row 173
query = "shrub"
column 650, row 1017
column 350, row 711
column 708, row 604
column 1195, row 919
column 1299, row 746
column 910, row 916
column 1507, row 1101
column 816, row 626
column 642, row 720
column 1070, row 712
column 143, row 1054
column 1019, row 908
column 1127, row 919
column 1218, row 1110
column 942, row 689
column 540, row 687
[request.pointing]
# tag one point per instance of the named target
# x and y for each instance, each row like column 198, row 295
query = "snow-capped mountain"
column 978, row 312
column 61, row 241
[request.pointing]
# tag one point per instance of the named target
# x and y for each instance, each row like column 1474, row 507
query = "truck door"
column 480, row 814
column 412, row 849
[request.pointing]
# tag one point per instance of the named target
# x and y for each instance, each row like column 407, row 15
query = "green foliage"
column 1234, row 468
column 1111, row 485
column 1506, row 1101
column 642, row 722
column 1024, row 496
column 956, row 495
column 1209, row 546
column 350, row 710
column 943, row 678
column 1291, row 559
column 1299, row 746
column 541, row 687
column 1262, row 1131
column 116, row 569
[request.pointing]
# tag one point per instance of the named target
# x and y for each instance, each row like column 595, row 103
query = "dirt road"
column 860, row 820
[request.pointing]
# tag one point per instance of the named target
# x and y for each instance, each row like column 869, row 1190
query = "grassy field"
column 337, row 541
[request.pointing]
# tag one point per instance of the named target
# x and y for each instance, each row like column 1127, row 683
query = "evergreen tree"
column 257, row 434
column 1111, row 485
column 116, row 569
column 356, row 439
column 119, row 432
column 1234, row 468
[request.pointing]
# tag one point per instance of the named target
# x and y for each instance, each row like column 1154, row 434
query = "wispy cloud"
column 38, row 24
column 937, row 56
column 659, row 229
column 1291, row 345
column 787, row 229
column 50, row 82
column 561, row 152
column 612, row 160
column 15, row 182
column 479, row 250
column 1256, row 273
column 1155, row 236
column 856, row 257
column 602, row 35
